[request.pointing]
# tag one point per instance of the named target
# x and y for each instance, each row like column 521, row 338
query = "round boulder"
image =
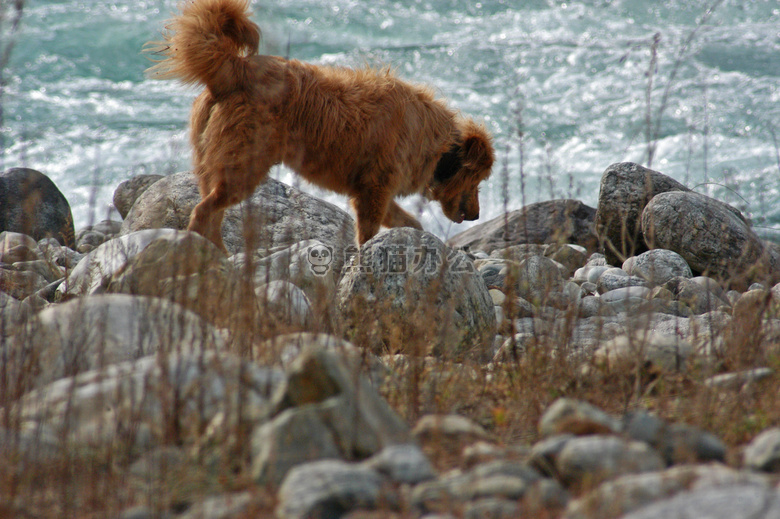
column 405, row 291
column 625, row 190
column 280, row 215
column 153, row 400
column 284, row 303
column 645, row 349
column 711, row 237
column 657, row 266
column 715, row 502
column 328, row 488
column 128, row 191
column 567, row 415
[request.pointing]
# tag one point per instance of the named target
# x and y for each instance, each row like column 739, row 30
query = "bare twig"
column 13, row 19
column 650, row 74
column 653, row 129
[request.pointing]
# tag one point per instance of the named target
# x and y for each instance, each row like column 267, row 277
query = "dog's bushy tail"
column 207, row 43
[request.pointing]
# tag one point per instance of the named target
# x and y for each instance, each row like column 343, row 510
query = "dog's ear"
column 478, row 151
column 449, row 164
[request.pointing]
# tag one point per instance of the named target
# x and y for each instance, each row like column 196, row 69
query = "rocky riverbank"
column 559, row 361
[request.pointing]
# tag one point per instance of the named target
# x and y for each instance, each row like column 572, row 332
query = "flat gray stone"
column 403, row 463
column 326, row 489
column 599, row 458
column 657, row 266
column 744, row 501
column 633, row 492
column 664, row 352
column 763, row 453
column 565, row 413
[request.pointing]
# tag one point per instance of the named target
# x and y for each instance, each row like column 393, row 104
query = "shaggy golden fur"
column 364, row 133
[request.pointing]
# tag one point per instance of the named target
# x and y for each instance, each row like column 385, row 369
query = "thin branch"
column 5, row 57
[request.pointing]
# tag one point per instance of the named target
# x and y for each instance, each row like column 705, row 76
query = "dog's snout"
column 469, row 209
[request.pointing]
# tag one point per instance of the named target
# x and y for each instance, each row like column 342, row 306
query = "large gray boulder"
column 675, row 442
column 285, row 304
column 625, row 190
column 13, row 314
column 711, row 236
column 31, row 204
column 20, row 283
column 176, row 265
column 286, row 348
column 408, row 292
column 311, row 265
column 93, row 273
column 553, row 221
column 26, row 267
column 402, row 464
column 128, row 191
column 153, row 400
column 463, row 490
column 632, row 492
column 280, row 215
column 325, row 409
column 537, row 280
column 699, row 295
column 15, row 246
column 644, row 349
column 93, row 332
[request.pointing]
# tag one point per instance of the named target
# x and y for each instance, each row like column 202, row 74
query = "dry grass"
column 507, row 399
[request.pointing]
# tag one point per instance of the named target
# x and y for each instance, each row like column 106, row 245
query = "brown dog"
column 363, row 133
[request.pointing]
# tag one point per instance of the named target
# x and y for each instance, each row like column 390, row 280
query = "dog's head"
column 460, row 170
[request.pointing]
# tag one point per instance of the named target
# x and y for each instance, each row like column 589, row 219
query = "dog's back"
column 343, row 122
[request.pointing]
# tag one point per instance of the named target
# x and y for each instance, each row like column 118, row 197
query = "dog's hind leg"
column 231, row 186
column 397, row 217
column 206, row 218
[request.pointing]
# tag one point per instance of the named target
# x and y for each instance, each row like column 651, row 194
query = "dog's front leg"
column 370, row 208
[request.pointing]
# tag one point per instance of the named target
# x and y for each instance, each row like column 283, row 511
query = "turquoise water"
column 581, row 79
